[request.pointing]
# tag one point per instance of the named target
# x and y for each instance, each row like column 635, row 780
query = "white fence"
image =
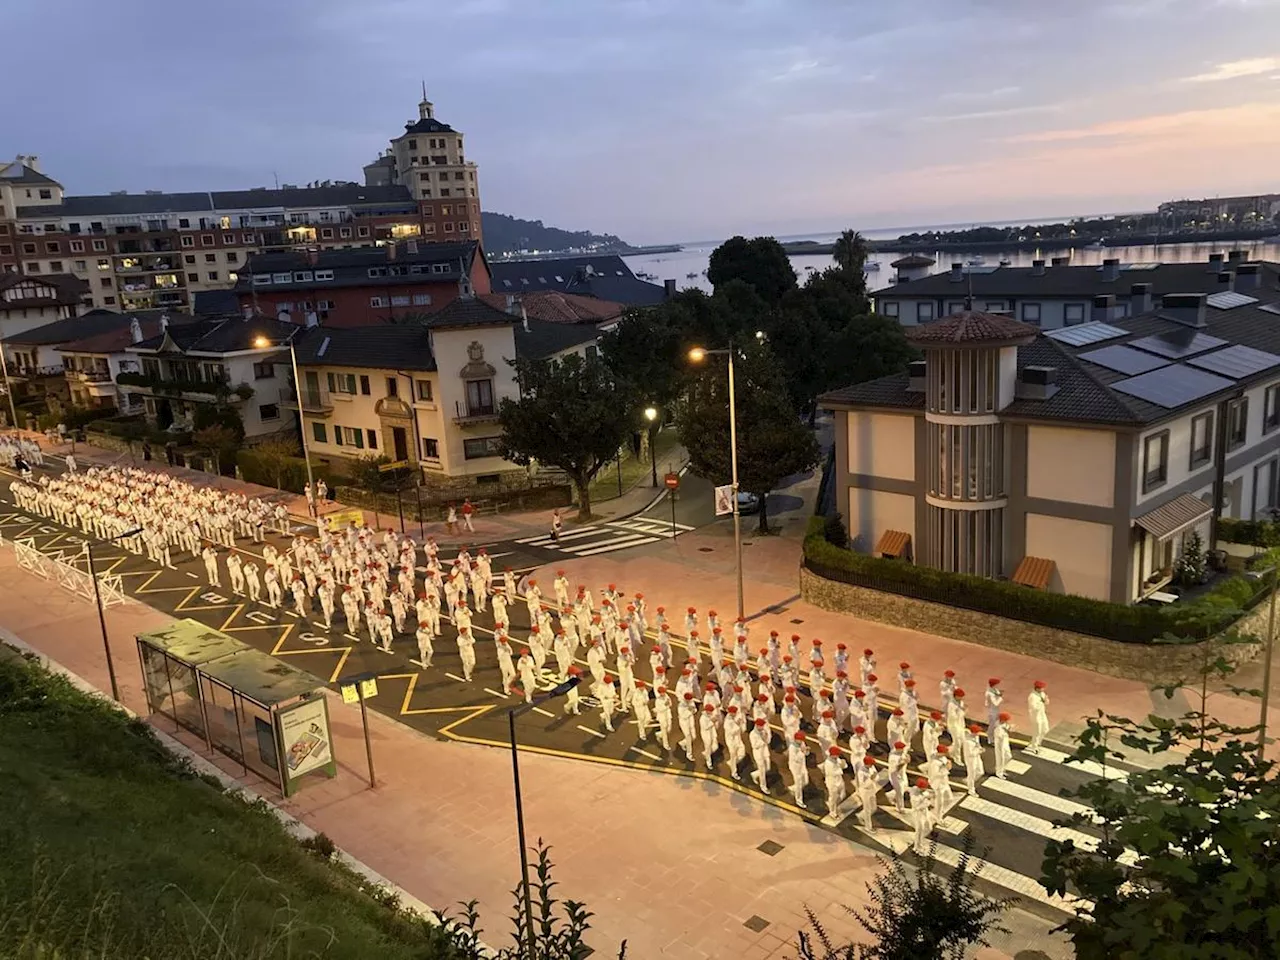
column 68, row 575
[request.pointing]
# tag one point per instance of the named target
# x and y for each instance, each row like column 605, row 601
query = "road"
column 1009, row 819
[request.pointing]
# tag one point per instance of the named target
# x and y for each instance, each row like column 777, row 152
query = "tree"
column 218, row 440
column 646, row 352
column 1202, row 827
column 571, row 414
column 772, row 442
column 916, row 914
column 276, row 457
column 761, row 263
column 850, row 254
column 218, row 414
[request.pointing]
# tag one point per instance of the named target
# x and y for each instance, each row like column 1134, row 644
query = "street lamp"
column 697, row 355
column 97, row 596
column 651, row 414
column 559, row 690
column 1266, row 663
column 263, row 342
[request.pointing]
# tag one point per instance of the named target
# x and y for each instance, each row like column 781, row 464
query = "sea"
column 687, row 267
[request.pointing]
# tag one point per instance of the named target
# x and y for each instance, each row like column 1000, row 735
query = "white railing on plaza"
column 67, row 574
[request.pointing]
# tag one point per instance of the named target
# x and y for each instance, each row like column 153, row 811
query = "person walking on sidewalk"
column 451, row 520
column 557, row 524
column 467, row 511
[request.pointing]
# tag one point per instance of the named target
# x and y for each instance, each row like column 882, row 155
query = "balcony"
column 314, row 401
column 89, row 376
column 27, row 372
column 171, row 387
column 466, row 414
column 133, row 265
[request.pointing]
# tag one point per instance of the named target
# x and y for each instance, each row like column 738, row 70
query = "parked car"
column 748, row 503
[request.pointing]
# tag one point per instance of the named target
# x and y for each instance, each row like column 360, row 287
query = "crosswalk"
column 595, row 539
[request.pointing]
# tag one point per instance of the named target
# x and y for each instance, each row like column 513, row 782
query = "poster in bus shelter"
column 305, row 742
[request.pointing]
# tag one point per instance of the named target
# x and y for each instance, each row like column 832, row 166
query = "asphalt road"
column 1009, row 819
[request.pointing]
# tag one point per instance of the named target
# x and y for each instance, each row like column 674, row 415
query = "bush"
column 1195, row 620
column 255, row 469
column 1258, row 533
column 74, row 419
column 834, row 532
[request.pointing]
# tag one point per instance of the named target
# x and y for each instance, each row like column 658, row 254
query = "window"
column 464, row 227
column 81, row 265
column 377, row 272
column 108, row 300
column 1237, row 422
column 444, row 210
column 444, row 191
column 440, row 268
column 193, row 278
column 1031, row 313
column 362, row 231
column 364, row 385
column 373, row 439
column 430, row 228
column 285, row 277
column 184, row 224
column 430, row 448
column 77, row 246
column 46, row 194
column 187, row 241
column 1271, row 409
column 228, row 238
column 99, row 246
column 210, row 258
column 402, row 301
column 53, row 246
column 319, row 433
column 33, row 267
column 324, row 304
column 264, row 371
column 324, row 274
column 29, row 248
column 1264, row 488
column 421, row 299
column 592, row 352
column 342, row 383
column 482, row 447
column 206, row 239
column 351, row 436
column 1201, row 439
column 233, row 257
column 326, row 233
column 344, row 233
column 189, row 259
column 55, row 266
column 393, row 386
column 924, row 312
column 269, row 411
column 248, row 238
column 1073, row 313
column 302, row 276
column 213, row 274
column 1155, row 461
column 479, row 397
column 994, row 305
column 105, row 282
column 424, row 177
column 424, row 390
column 377, row 302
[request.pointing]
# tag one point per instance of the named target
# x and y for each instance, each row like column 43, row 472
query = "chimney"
column 411, row 247
column 512, row 303
column 1060, row 262
column 1215, row 262
column 916, row 371
column 135, row 330
column 1104, row 307
column 1111, row 269
column 313, row 257
column 247, row 311
column 1248, row 277
column 1037, row 383
column 957, row 273
column 312, row 319
column 668, row 288
column 1037, row 268
column 1187, row 309
column 524, row 318
column 1225, row 279
column 164, row 322
column 391, row 250
column 1235, row 256
column 1139, row 299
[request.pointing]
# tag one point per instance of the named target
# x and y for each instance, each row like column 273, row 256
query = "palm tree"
column 850, row 252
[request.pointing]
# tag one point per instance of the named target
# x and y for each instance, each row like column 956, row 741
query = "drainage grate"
column 797, row 620
column 756, row 924
column 770, row 848
column 706, row 549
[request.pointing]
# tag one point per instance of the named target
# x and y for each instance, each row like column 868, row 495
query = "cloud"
column 992, row 114
column 1202, row 123
column 1234, row 69
column 971, row 96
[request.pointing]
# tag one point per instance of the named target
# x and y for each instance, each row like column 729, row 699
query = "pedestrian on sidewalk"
column 467, row 510
column 557, row 524
column 451, row 521
column 146, row 451
column 171, row 453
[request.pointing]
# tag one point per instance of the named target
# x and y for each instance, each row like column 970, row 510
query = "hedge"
column 1203, row 617
column 255, row 470
column 1258, row 533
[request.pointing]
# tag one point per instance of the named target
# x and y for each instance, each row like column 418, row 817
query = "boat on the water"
column 974, row 262
column 691, row 276
column 871, row 266
column 1005, row 262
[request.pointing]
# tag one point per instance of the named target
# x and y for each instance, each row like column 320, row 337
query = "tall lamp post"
column 557, row 691
column 263, row 343
column 102, row 618
column 651, row 414
column 697, row 355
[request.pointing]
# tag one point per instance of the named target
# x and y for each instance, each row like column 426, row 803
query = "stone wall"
column 1133, row 661
column 435, row 507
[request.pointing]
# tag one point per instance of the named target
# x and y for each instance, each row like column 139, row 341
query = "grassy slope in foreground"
column 111, row 848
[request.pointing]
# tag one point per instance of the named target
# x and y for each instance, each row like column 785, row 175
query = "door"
column 401, row 441
column 311, row 393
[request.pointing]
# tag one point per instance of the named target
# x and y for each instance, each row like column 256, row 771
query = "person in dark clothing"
column 170, row 453
column 146, row 451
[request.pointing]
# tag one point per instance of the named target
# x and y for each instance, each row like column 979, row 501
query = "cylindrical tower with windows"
column 971, row 371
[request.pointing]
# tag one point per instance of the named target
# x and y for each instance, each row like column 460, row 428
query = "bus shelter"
column 271, row 718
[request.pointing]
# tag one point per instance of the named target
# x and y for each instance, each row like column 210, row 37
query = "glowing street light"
column 262, row 343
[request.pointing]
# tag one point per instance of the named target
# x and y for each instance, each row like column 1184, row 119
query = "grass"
column 113, row 849
column 634, row 470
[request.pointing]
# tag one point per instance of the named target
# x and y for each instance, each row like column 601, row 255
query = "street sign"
column 350, row 694
column 672, row 480
column 398, row 465
column 369, row 688
column 338, row 519
column 724, row 500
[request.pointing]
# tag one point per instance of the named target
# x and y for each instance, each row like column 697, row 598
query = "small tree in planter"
column 1190, row 568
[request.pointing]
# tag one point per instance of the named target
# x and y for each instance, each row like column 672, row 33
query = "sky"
column 666, row 120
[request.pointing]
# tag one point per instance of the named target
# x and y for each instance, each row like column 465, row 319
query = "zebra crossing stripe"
column 1050, row 801
column 1109, row 772
column 544, row 539
column 1038, row 825
column 612, row 545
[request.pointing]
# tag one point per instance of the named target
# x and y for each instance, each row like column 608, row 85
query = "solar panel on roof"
column 1177, row 344
column 1085, row 334
column 1147, row 265
column 983, row 269
column 1236, row 361
column 1123, row 359
column 1172, row 386
column 1227, row 299
column 1271, row 307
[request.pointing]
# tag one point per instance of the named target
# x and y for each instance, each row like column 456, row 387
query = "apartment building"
column 603, row 276
column 30, row 302
column 92, row 364
column 376, row 285
column 157, row 249
column 1078, row 459
column 425, row 393
column 1057, row 294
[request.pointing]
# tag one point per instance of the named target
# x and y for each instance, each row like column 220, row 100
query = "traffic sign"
column 672, row 480
column 388, row 467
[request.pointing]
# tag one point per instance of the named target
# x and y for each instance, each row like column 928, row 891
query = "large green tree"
column 571, row 414
column 1188, row 867
column 761, row 263
column 772, row 442
column 850, row 253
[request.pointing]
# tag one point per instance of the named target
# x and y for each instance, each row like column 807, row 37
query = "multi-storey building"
column 1081, row 457
column 30, row 302
column 92, row 365
column 155, row 249
column 1058, row 294
column 604, row 276
column 350, row 288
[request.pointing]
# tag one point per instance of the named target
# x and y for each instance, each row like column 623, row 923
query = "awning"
column 1180, row 513
column 1035, row 572
column 893, row 543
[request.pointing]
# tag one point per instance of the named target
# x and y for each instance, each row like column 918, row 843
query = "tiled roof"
column 604, row 276
column 71, row 329
column 116, row 340
column 121, row 203
column 557, row 307
column 208, row 302
column 971, row 326
column 15, row 172
column 218, row 335
column 544, row 339
column 351, row 267
column 69, row 289
column 428, row 125
column 355, row 195
column 892, row 543
column 1035, row 572
column 469, row 312
column 334, row 195
column 386, row 347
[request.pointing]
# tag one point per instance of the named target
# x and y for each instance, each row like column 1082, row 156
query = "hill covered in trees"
column 505, row 234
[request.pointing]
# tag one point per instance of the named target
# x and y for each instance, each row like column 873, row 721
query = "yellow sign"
column 350, row 694
column 339, row 519
column 388, row 467
column 369, row 688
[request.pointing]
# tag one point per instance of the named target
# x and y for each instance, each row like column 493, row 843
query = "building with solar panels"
column 1057, row 294
column 1077, row 460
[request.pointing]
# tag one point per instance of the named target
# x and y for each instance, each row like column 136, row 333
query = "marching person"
column 211, row 565
column 940, row 781
column 833, row 779
column 252, row 581
column 686, row 714
column 734, row 728
column 235, row 573
column 467, row 511
column 662, row 714
column 866, row 666
column 710, row 735
column 868, row 786
column 1038, row 710
column 640, row 707
column 955, row 717
column 972, row 756
column 994, row 698
column 1000, row 743
column 931, row 733
column 760, row 756
column 467, row 651
column 797, row 763
column 922, row 805
column 528, row 675
column 898, row 773
column 506, row 664
column 426, row 650
column 572, row 701
column 947, row 690
column 608, row 698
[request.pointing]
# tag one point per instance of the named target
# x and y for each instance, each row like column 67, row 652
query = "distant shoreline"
column 808, row 247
